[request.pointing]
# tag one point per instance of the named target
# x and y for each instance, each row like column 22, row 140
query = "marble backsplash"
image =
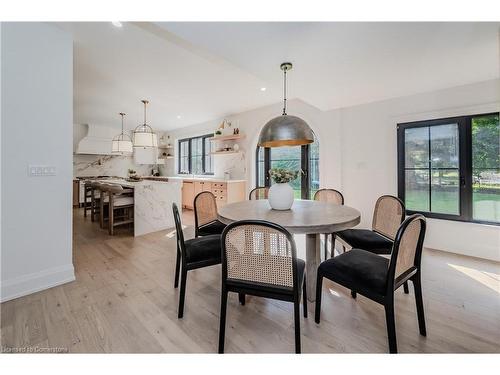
column 107, row 165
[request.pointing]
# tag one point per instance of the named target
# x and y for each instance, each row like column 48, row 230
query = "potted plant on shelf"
column 281, row 193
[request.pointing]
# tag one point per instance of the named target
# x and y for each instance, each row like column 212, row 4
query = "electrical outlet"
column 41, row 170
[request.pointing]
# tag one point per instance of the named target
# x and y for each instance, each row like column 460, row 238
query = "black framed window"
column 450, row 168
column 305, row 158
column 195, row 155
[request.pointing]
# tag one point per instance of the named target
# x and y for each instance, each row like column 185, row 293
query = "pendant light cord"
column 284, row 92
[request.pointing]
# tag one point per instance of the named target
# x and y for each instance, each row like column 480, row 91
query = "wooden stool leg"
column 111, row 215
column 92, row 205
column 101, row 209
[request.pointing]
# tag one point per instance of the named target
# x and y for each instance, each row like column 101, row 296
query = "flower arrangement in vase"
column 281, row 193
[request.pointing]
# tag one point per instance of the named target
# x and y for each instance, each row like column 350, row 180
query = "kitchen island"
column 152, row 202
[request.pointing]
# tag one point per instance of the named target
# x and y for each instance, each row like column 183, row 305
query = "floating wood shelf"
column 224, row 152
column 232, row 137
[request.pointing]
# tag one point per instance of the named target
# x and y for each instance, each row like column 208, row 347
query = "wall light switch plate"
column 41, row 170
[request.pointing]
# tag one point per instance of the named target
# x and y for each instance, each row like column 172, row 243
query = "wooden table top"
column 305, row 216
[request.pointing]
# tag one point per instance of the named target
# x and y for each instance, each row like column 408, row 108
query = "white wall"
column 369, row 154
column 37, row 123
column 358, row 153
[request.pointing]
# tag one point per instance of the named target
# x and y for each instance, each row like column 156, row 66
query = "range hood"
column 95, row 140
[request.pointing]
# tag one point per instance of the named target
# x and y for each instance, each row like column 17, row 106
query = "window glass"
column 313, row 168
column 432, row 169
column 184, row 157
column 445, row 197
column 486, row 168
column 288, row 158
column 197, row 156
column 209, row 157
column 261, row 174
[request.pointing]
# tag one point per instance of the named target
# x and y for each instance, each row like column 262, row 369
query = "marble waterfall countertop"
column 152, row 202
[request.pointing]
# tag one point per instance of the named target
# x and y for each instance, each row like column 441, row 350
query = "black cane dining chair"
column 193, row 254
column 205, row 215
column 260, row 258
column 259, row 193
column 377, row 277
column 329, row 196
column 388, row 215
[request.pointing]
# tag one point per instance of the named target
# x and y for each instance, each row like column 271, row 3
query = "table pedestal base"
column 313, row 260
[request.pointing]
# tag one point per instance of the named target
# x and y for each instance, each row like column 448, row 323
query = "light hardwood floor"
column 123, row 300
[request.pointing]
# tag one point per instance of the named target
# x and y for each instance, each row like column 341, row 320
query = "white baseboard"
column 35, row 282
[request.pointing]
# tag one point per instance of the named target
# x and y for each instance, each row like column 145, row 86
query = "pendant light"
column 285, row 130
column 122, row 144
column 144, row 136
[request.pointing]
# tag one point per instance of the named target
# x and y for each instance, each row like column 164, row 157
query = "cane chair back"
column 259, row 193
column 388, row 215
column 259, row 252
column 407, row 250
column 205, row 208
column 329, row 196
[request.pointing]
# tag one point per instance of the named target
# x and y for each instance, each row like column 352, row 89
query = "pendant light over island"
column 122, row 144
column 143, row 135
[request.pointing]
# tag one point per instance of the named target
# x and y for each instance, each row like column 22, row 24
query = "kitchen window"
column 450, row 168
column 195, row 155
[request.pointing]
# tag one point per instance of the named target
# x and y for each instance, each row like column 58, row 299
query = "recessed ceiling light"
column 263, row 89
column 117, row 23
column 178, row 116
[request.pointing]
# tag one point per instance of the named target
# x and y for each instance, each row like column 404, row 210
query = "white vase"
column 281, row 196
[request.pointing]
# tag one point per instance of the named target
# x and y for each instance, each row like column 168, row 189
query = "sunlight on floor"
column 489, row 279
column 333, row 292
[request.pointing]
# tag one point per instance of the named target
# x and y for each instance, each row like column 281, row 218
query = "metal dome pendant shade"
column 122, row 144
column 144, row 136
column 285, row 130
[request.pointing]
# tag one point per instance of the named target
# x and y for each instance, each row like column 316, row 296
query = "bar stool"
column 95, row 201
column 119, row 199
column 87, row 198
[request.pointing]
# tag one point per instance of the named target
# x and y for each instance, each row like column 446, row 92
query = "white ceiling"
column 203, row 71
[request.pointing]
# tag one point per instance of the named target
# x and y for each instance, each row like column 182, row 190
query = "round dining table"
column 308, row 217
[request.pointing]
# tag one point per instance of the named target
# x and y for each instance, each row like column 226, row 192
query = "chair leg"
column 405, row 288
column 177, row 267
column 391, row 326
column 296, row 313
column 319, row 286
column 304, row 297
column 222, row 327
column 241, row 298
column 182, row 294
column 332, row 248
column 353, row 294
column 420, row 304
